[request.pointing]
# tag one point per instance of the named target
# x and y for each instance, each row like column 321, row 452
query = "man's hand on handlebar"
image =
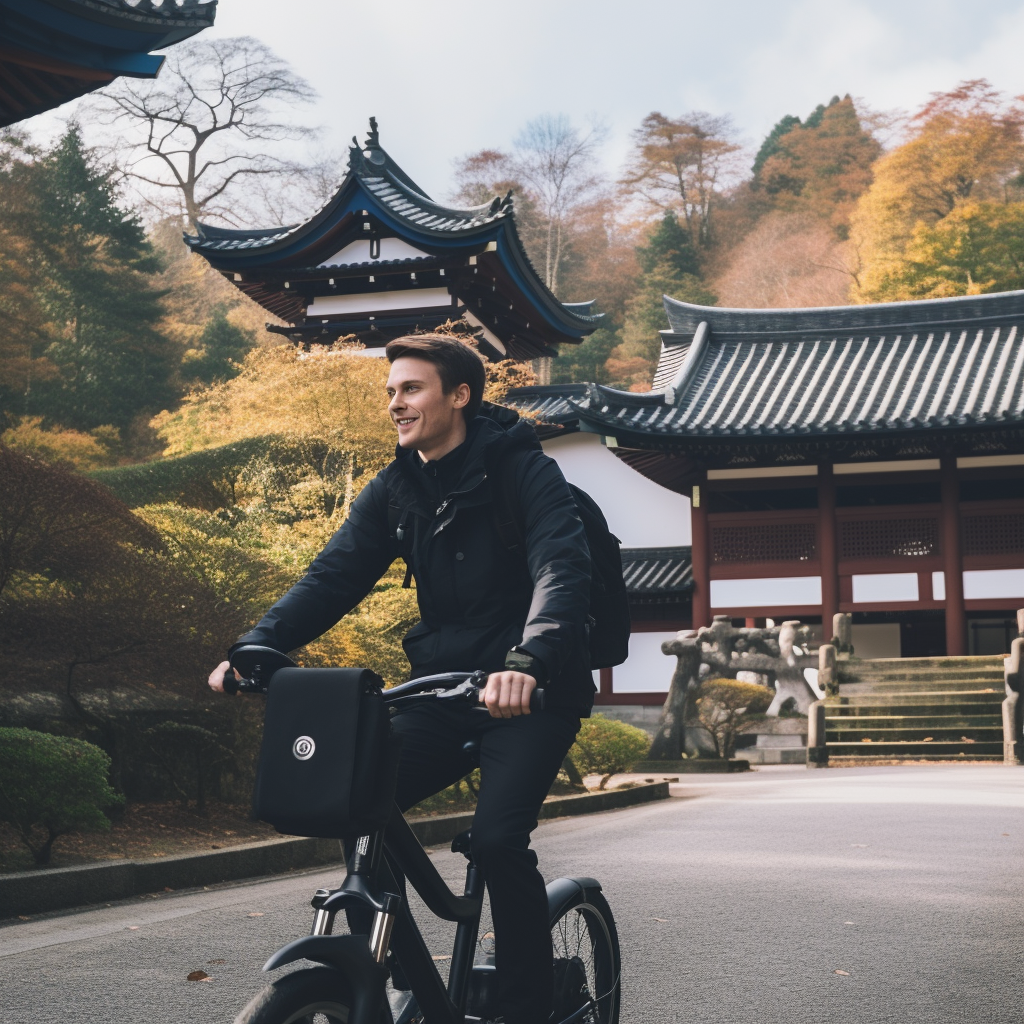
column 217, row 676
column 507, row 694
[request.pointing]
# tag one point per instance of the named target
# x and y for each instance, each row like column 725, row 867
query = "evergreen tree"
column 771, row 144
column 94, row 268
column 219, row 352
column 670, row 246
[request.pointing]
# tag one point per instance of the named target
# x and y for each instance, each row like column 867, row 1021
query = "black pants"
column 519, row 759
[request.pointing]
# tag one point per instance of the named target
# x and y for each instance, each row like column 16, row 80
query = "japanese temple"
column 52, row 51
column 382, row 259
column 865, row 459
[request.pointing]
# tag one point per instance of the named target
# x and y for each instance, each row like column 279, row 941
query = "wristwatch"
column 521, row 660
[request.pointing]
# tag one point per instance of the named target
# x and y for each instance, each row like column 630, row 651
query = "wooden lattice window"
column 888, row 538
column 1001, row 534
column 765, row 542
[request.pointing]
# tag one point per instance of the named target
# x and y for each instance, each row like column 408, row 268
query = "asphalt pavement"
column 861, row 896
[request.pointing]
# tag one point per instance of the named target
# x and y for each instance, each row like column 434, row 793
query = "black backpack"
column 609, row 605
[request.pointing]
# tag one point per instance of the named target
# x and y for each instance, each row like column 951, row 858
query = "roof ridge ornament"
column 373, row 151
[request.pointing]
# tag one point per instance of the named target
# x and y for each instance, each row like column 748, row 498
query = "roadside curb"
column 35, row 892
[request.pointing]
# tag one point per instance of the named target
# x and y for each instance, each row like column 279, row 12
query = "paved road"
column 739, row 906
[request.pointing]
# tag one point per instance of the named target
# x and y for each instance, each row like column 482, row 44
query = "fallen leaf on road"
column 660, row 920
column 440, row 958
column 929, row 739
column 1005, row 834
column 198, row 976
column 215, row 846
column 845, row 974
column 133, row 927
column 21, row 917
column 847, row 922
column 964, row 739
column 865, row 740
column 168, row 889
column 216, row 961
column 256, row 913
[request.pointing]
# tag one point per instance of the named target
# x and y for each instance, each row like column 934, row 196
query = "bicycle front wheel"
column 587, row 964
column 314, row 996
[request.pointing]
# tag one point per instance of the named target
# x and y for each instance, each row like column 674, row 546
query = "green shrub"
column 724, row 706
column 52, row 785
column 606, row 747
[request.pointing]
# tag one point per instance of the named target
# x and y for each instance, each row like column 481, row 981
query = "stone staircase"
column 916, row 709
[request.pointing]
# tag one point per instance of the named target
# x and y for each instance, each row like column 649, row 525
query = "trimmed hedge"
column 200, row 479
column 52, row 785
column 605, row 747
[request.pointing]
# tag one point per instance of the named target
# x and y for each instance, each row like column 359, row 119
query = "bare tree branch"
column 218, row 103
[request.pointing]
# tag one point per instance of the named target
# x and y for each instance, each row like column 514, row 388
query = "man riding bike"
column 518, row 614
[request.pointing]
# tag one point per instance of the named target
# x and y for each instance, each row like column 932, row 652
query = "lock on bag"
column 328, row 762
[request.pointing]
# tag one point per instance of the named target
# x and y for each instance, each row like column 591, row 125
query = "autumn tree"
column 218, row 119
column 683, row 164
column 24, row 329
column 964, row 148
column 787, row 260
column 669, row 265
column 820, row 166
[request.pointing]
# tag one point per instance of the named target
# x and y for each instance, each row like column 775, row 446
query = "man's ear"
column 461, row 396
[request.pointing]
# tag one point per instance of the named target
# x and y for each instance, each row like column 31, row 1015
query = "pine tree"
column 219, row 352
column 669, row 246
column 94, row 271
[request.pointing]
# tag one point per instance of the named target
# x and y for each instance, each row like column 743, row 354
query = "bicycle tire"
column 317, row 995
column 587, row 962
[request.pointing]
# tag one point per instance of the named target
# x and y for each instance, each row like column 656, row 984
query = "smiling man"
column 518, row 614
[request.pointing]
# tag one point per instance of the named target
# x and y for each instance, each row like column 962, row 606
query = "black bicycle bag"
column 327, row 765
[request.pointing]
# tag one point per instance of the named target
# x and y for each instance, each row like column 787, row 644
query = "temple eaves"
column 56, row 50
column 382, row 259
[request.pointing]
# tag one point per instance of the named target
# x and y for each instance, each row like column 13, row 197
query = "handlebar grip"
column 230, row 683
column 537, row 700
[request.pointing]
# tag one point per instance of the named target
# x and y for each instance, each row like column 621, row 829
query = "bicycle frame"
column 362, row 962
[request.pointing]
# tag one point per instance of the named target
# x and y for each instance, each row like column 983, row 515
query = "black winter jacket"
column 476, row 598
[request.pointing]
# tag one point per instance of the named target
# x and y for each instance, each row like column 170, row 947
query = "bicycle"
column 350, row 985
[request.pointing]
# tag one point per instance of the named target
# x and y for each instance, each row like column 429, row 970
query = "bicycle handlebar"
column 260, row 663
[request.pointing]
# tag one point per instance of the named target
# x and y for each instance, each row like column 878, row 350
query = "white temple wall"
column 641, row 513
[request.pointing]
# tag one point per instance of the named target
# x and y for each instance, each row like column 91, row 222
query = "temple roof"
column 657, row 572
column 381, row 234
column 55, row 50
column 894, row 369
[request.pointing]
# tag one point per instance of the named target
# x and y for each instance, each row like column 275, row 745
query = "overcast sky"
column 447, row 77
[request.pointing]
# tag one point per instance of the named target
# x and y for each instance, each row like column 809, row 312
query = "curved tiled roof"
column 888, row 368
column 657, row 572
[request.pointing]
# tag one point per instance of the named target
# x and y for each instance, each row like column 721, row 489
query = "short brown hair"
column 456, row 364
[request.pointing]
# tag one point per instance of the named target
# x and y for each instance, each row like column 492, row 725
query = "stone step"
column 924, row 698
column 903, row 664
column 908, row 734
column 843, row 761
column 924, row 683
column 922, row 722
column 914, row 749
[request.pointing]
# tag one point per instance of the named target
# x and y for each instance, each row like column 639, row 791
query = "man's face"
column 426, row 418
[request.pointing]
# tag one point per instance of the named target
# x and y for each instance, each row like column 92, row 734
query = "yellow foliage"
column 965, row 148
column 60, row 445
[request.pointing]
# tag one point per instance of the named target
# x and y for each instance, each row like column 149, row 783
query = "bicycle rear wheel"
column 314, row 996
column 587, row 964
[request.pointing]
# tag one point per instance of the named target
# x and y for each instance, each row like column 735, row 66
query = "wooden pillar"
column 828, row 549
column 952, row 563
column 701, row 555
